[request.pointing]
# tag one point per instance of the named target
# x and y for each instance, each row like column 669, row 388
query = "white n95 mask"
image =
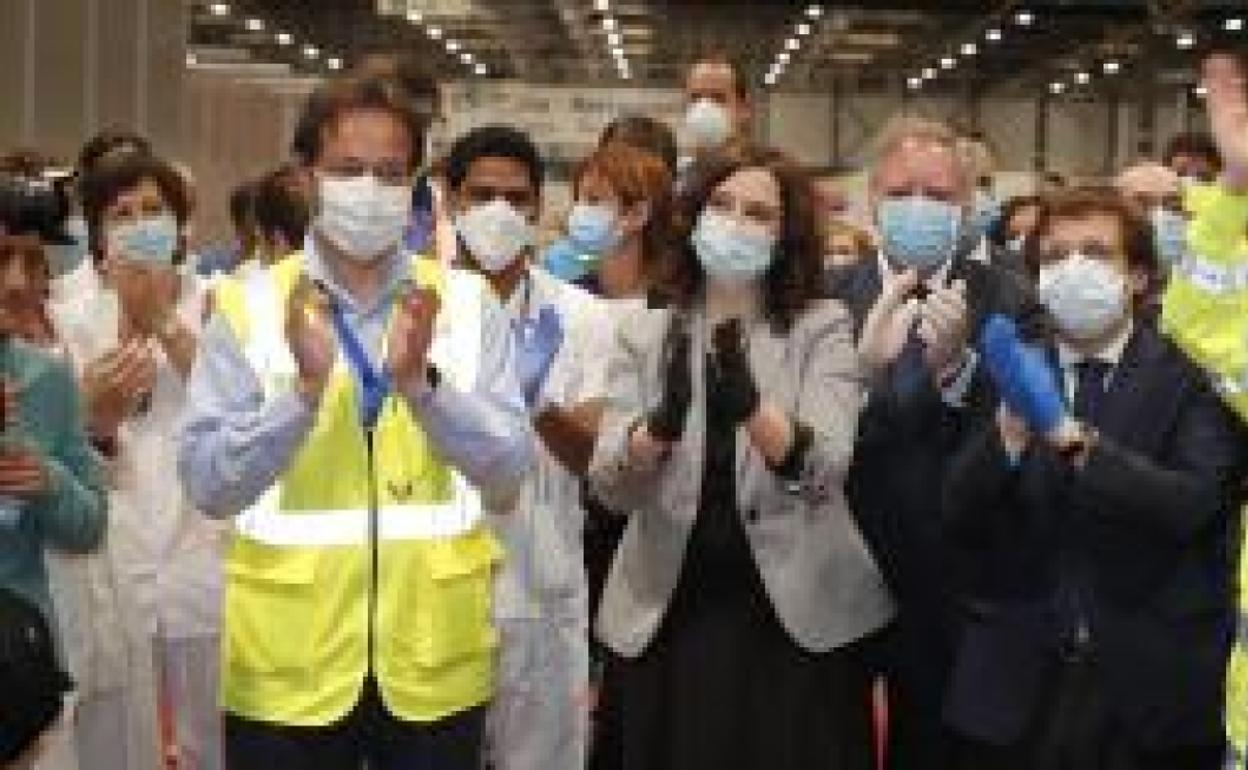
column 361, row 216
column 495, row 233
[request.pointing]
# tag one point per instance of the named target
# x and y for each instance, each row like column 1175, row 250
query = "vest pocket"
column 452, row 608
column 269, row 597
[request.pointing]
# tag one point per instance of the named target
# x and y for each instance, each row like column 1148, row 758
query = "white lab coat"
column 164, row 560
column 539, row 718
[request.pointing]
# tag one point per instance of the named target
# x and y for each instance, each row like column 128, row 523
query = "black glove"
column 667, row 421
column 736, row 394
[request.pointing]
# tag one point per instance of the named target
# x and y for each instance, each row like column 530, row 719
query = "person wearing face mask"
column 1158, row 191
column 52, row 495
column 1203, row 312
column 352, row 417
column 622, row 213
column 920, row 304
column 539, row 717
column 718, row 109
column 162, row 580
column 742, row 591
column 1096, row 507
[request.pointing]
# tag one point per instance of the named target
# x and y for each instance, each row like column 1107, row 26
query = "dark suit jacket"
column 1147, row 527
column 906, row 437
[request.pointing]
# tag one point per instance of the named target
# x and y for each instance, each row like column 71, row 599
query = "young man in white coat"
column 539, row 719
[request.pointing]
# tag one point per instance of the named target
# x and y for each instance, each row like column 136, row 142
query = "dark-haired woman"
column 742, row 583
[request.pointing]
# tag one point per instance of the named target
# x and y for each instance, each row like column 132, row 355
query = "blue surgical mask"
column 65, row 258
column 729, row 251
column 1170, row 234
column 151, row 240
column 985, row 213
column 919, row 232
column 565, row 260
column 592, row 229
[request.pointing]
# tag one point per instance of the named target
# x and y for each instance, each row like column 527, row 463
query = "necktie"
column 1090, row 388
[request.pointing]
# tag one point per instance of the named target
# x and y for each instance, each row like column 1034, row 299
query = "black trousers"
column 368, row 734
column 1076, row 730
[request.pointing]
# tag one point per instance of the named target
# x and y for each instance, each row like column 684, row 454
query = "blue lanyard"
column 374, row 384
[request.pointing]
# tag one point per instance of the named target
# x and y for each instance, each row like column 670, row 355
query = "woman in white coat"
column 134, row 348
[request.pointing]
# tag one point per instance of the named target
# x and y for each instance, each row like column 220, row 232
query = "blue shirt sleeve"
column 485, row 433
column 234, row 443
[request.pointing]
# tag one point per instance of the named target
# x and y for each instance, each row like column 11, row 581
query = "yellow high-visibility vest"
column 1205, row 311
column 356, row 561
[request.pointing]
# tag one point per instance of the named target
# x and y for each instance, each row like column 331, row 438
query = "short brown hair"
column 117, row 174
column 740, row 85
column 329, row 103
column 795, row 278
column 636, row 176
column 282, row 206
column 1090, row 201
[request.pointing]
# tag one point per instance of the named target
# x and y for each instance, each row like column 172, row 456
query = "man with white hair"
column 921, row 302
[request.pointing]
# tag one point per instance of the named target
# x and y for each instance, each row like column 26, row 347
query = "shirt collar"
column 1111, row 352
column 318, row 269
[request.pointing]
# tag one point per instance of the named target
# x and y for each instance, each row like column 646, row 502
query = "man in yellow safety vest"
column 350, row 407
column 1205, row 311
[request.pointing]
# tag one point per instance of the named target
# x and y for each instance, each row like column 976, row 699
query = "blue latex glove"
column 1025, row 381
column 537, row 342
column 565, row 261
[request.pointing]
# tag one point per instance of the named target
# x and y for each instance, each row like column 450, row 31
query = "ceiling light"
column 1024, row 18
column 1082, row 78
column 784, row 57
column 453, row 46
column 770, row 78
column 929, row 73
column 617, row 52
column 915, row 83
column 602, row 5
column 615, row 38
column 191, row 60
column 415, row 17
column 466, row 57
column 993, row 35
column 1200, row 91
column 311, row 52
column 219, row 9
column 608, row 23
column 1234, row 24
column 481, row 70
column 284, row 38
column 334, row 63
column 255, row 25
column 1185, row 40
column 947, row 63
column 1111, row 67
column 434, row 33
column 969, row 49
column 1057, row 87
column 792, row 44
column 814, row 11
column 803, row 29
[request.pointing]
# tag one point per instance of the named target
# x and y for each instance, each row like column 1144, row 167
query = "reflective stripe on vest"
column 264, row 522
column 455, row 351
column 1212, row 277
